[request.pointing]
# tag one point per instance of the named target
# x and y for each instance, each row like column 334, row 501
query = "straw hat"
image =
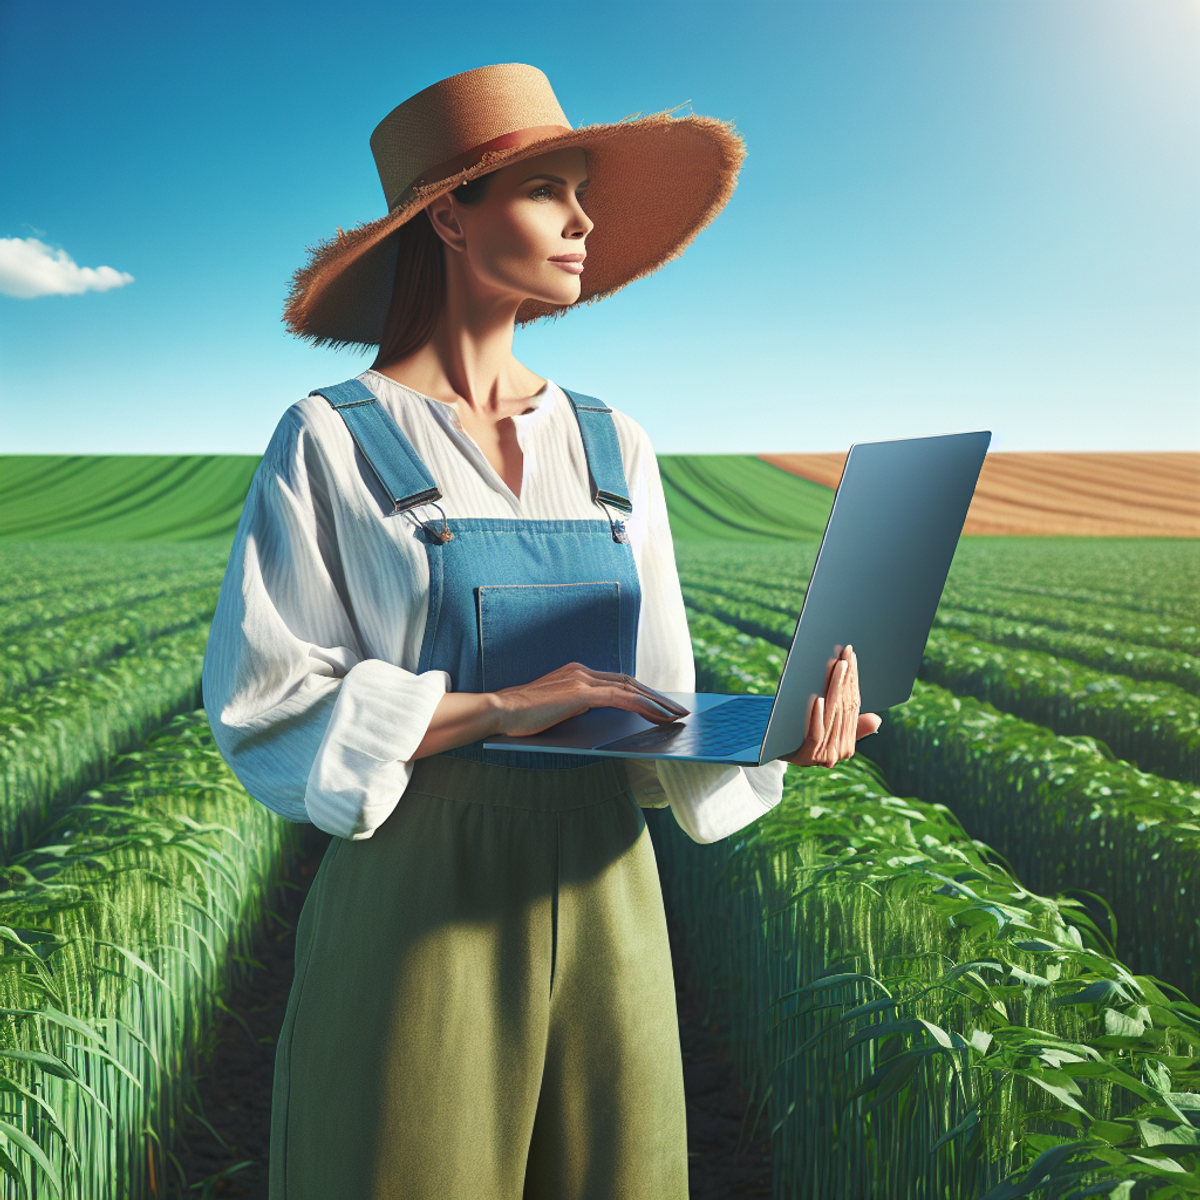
column 656, row 181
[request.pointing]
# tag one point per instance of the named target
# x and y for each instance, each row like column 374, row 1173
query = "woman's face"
column 525, row 238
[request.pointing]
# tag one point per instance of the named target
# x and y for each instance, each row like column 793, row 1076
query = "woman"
column 447, row 548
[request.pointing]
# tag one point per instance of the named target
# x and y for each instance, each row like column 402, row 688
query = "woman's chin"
column 558, row 294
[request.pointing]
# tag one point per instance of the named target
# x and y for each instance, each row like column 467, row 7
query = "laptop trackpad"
column 714, row 732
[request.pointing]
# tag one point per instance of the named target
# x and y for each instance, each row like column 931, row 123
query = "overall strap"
column 602, row 451
column 388, row 452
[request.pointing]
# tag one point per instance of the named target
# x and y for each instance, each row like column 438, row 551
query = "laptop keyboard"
column 723, row 729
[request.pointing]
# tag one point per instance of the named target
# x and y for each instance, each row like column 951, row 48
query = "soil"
column 224, row 1152
column 1046, row 494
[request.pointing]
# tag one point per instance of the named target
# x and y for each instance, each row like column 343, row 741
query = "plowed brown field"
column 1102, row 495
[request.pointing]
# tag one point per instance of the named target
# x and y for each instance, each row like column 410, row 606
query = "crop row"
column 118, row 934
column 743, row 662
column 1156, row 725
column 1154, row 609
column 29, row 571
column 1117, row 639
column 1155, row 581
column 1064, row 815
column 1148, row 575
column 41, row 612
column 1052, row 805
column 914, row 1021
column 1103, row 653
column 58, row 739
column 36, row 655
column 1107, row 624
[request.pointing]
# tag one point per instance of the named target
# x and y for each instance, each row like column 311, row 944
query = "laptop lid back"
column 879, row 574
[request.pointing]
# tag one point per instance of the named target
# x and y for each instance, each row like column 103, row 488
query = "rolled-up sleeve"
column 313, row 728
column 710, row 801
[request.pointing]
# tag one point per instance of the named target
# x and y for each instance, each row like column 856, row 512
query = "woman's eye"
column 545, row 192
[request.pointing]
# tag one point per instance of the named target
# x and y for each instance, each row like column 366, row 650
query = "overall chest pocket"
column 528, row 630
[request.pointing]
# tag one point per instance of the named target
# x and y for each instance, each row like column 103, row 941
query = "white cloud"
column 30, row 268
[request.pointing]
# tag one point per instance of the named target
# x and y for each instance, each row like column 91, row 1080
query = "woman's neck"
column 469, row 361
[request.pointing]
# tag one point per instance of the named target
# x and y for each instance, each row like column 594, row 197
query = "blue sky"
column 954, row 214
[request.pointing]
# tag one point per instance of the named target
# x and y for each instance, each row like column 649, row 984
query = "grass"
column 129, row 498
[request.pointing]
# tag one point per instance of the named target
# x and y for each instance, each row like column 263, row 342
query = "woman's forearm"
column 465, row 717
column 460, row 719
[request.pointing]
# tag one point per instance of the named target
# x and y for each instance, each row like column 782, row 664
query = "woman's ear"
column 444, row 220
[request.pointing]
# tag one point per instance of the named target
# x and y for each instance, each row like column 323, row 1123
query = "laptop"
column 882, row 564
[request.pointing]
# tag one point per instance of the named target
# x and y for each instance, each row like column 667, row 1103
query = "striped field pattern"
column 958, row 969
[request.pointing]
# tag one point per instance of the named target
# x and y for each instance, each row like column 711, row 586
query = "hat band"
column 517, row 140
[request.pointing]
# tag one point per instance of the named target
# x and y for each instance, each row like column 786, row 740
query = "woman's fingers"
column 840, row 700
column 816, row 721
column 834, row 714
column 611, row 689
column 636, row 702
column 835, row 722
column 868, row 723
column 628, row 683
column 810, row 752
column 853, row 704
column 573, row 689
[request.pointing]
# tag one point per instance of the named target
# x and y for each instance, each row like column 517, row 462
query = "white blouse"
column 310, row 675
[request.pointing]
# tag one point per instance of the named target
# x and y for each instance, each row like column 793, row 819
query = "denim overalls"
column 484, row 1006
column 512, row 600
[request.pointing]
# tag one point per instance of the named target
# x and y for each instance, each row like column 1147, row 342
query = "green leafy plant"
column 1065, row 814
column 59, row 738
column 39, row 654
column 119, row 933
column 914, row 1022
column 1156, row 725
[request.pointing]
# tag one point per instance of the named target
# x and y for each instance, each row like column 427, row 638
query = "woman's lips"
column 571, row 263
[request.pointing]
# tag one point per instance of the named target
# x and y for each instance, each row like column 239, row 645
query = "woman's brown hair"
column 419, row 284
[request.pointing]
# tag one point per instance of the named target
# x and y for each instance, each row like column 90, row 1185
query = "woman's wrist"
column 499, row 712
column 460, row 719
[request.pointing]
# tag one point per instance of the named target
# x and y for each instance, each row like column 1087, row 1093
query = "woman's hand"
column 465, row 717
column 834, row 721
column 574, row 689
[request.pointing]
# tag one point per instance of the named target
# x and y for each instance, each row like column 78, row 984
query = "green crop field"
column 122, row 498
column 728, row 495
column 959, row 967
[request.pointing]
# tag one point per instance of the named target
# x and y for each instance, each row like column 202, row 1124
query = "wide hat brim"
column 655, row 182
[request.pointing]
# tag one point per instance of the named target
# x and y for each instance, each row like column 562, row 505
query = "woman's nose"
column 581, row 224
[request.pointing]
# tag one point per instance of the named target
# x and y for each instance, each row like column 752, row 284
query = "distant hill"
column 190, row 497
column 739, row 497
column 122, row 497
column 1047, row 494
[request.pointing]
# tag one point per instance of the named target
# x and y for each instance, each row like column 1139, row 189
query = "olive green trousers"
column 483, row 1006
